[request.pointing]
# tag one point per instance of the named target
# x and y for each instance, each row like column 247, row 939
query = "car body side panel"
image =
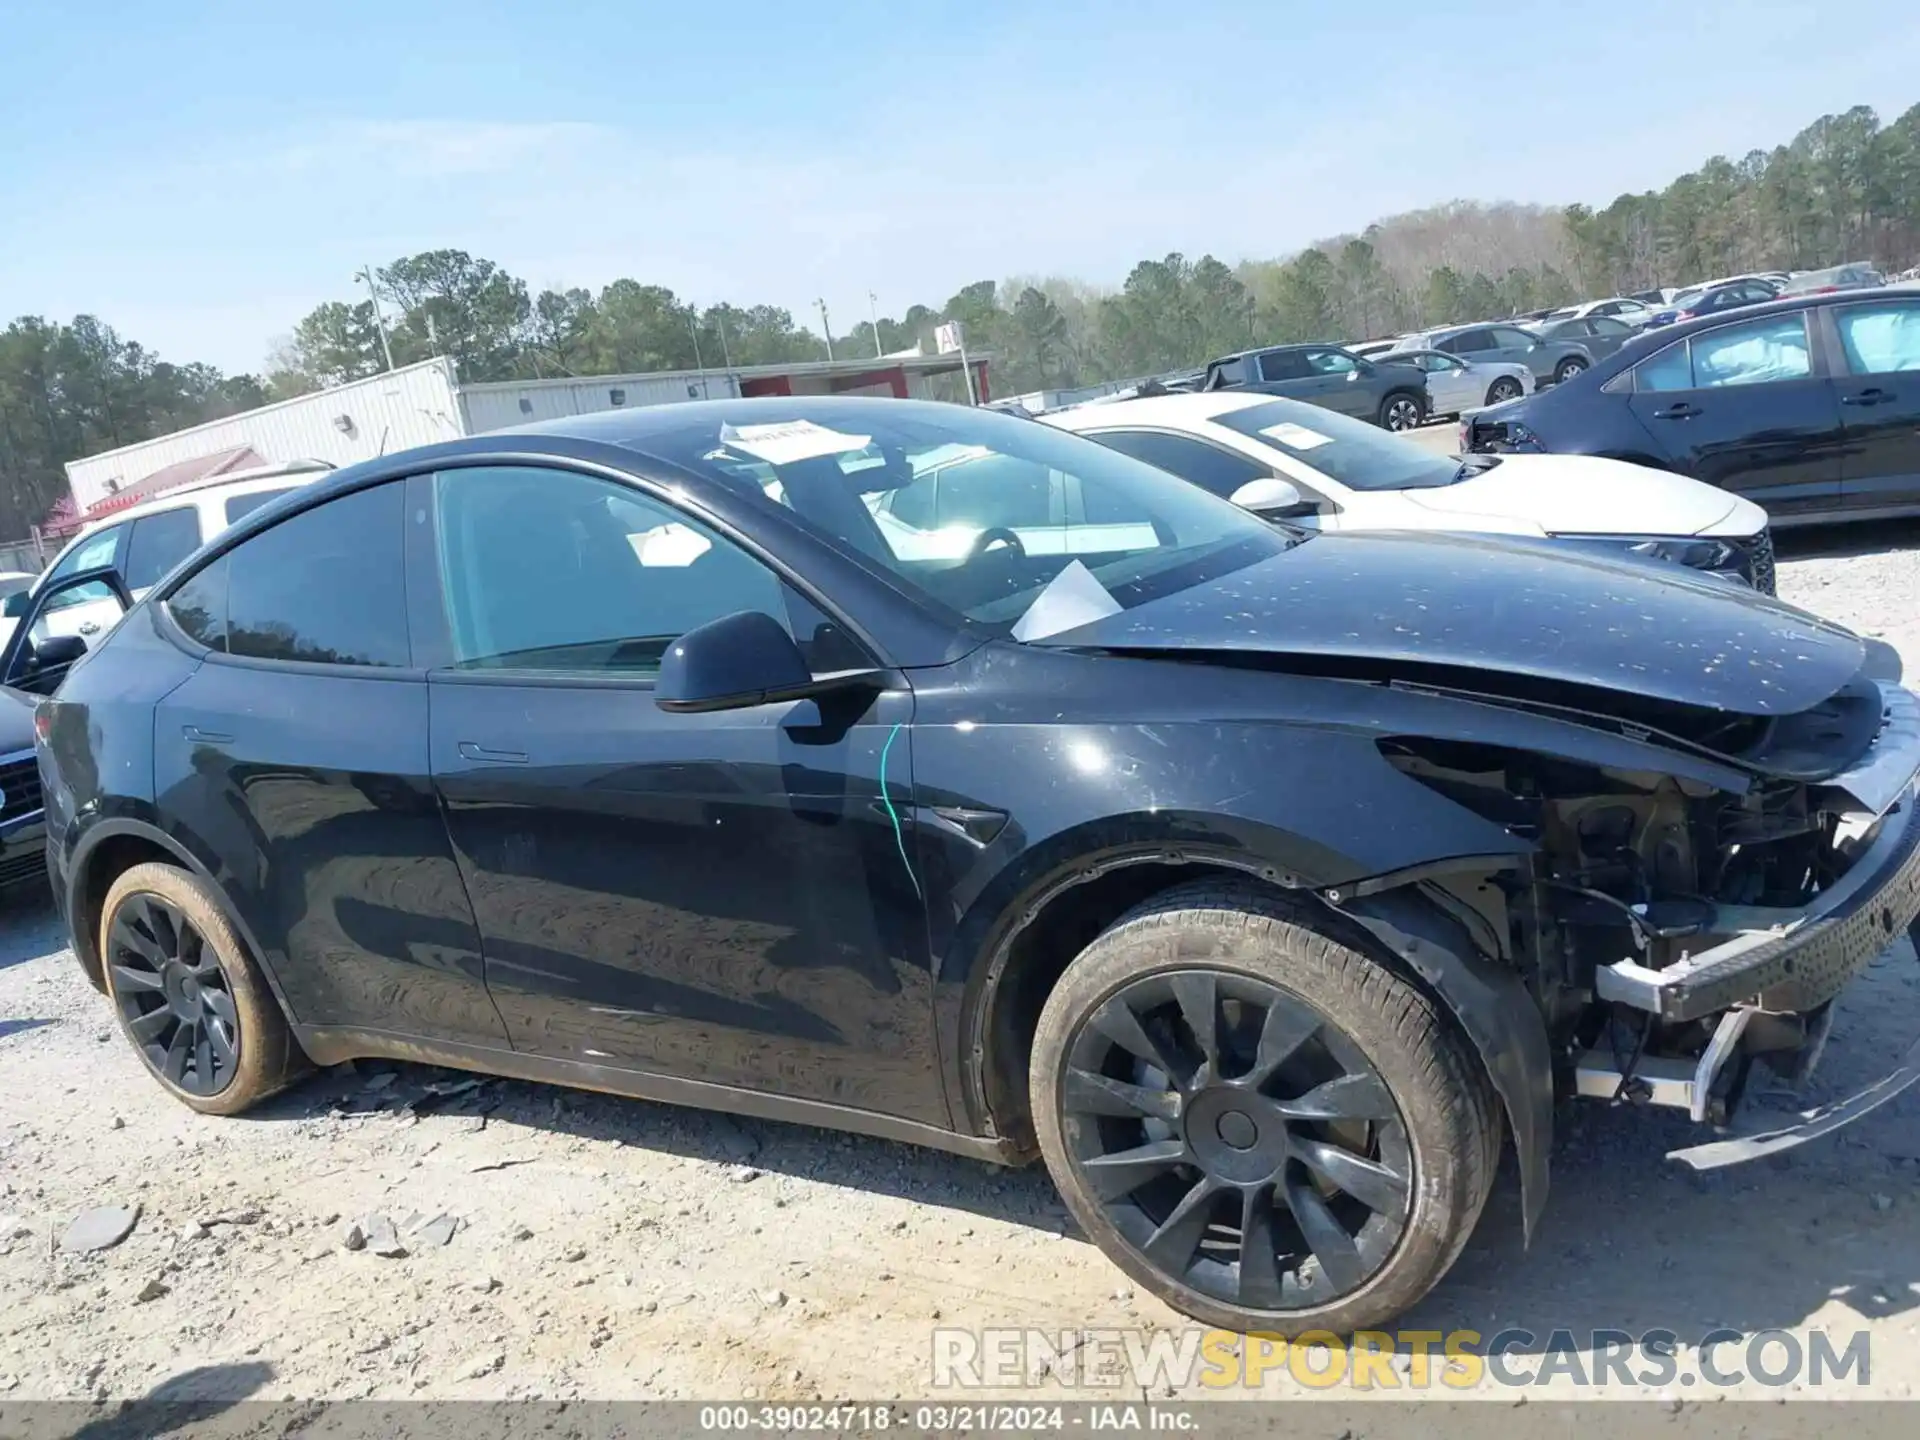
column 308, row 789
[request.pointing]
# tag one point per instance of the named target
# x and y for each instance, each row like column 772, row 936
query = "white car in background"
column 1623, row 308
column 145, row 541
column 1455, row 386
column 1309, row 467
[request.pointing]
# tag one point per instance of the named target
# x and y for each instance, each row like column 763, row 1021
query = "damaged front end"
column 1675, row 932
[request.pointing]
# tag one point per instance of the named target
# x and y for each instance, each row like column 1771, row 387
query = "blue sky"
column 201, row 175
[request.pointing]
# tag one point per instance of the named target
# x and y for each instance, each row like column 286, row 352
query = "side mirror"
column 16, row 605
column 1273, row 497
column 58, row 650
column 40, row 667
column 741, row 660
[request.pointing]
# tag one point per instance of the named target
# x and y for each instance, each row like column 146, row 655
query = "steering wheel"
column 993, row 535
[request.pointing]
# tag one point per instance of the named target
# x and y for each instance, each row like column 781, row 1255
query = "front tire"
column 1401, row 410
column 189, row 998
column 1567, row 369
column 1256, row 1120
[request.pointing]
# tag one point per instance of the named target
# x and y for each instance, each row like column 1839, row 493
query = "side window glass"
column 996, row 490
column 1331, row 362
column 1669, row 370
column 1468, row 342
column 97, row 549
column 1208, row 466
column 1232, row 372
column 1514, row 339
column 199, row 607
column 239, row 505
column 548, row 570
column 158, row 543
column 1282, row 365
column 327, row 586
column 1752, row 354
column 1880, row 339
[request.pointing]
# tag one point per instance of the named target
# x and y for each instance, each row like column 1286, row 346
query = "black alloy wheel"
column 175, row 1001
column 1504, row 389
column 1237, row 1139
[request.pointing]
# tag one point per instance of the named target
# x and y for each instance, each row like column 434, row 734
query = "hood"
column 1584, row 495
column 16, row 720
column 1466, row 610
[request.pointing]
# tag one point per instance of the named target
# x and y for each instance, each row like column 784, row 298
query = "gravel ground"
column 607, row 1248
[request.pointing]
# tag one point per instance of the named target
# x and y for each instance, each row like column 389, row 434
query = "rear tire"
column 1502, row 390
column 189, row 998
column 1567, row 369
column 1210, row 1185
column 1402, row 410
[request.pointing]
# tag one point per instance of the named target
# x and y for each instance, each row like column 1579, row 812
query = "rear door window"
column 241, row 505
column 325, row 587
column 159, row 542
column 1283, row 365
column 1467, row 342
column 1880, row 339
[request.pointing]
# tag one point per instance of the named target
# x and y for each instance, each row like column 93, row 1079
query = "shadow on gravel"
column 909, row 1172
column 178, row 1403
column 16, row 1027
column 29, row 926
column 1819, row 542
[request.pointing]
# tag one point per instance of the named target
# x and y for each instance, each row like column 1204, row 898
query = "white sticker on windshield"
column 1072, row 598
column 786, row 441
column 1297, row 437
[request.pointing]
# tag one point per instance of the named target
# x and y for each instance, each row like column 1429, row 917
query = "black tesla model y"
column 933, row 773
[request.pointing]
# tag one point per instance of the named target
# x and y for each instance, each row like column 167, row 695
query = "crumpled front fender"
column 1497, row 1013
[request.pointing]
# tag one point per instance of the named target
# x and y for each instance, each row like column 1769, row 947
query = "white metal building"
column 412, row 406
column 422, row 403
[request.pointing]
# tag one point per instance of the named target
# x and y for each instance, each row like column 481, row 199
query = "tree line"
column 1845, row 188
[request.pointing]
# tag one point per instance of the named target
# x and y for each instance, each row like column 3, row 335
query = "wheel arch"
column 1056, row 914
column 110, row 848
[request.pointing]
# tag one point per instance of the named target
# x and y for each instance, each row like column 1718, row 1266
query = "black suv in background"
column 1810, row 406
column 1390, row 394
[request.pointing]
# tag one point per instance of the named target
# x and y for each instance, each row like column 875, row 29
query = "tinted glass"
column 995, row 489
column 1606, row 325
column 1880, row 339
column 1208, row 466
column 1669, row 370
column 1467, row 342
column 199, row 607
column 327, row 586
column 839, row 483
column 1513, row 339
column 160, row 542
column 549, row 570
column 239, row 505
column 1752, row 354
column 1358, row 455
column 1283, row 365
column 97, row 549
column 1231, row 372
column 1331, row 362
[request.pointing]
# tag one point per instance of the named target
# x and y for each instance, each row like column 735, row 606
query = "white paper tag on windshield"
column 1072, row 598
column 786, row 441
column 1297, row 437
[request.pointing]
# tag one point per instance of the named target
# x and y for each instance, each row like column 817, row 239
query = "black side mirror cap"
column 58, row 650
column 741, row 660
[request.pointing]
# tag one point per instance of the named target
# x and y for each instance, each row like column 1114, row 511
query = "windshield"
column 979, row 511
column 1358, row 455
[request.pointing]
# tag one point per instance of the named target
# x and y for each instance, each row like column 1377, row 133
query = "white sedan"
column 1310, row 467
column 1455, row 386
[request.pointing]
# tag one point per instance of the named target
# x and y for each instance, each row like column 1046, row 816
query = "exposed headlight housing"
column 1696, row 553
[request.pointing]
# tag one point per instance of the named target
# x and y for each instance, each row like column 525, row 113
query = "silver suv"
column 1551, row 361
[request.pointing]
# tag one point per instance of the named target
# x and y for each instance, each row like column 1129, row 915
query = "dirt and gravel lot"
column 606, row 1248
